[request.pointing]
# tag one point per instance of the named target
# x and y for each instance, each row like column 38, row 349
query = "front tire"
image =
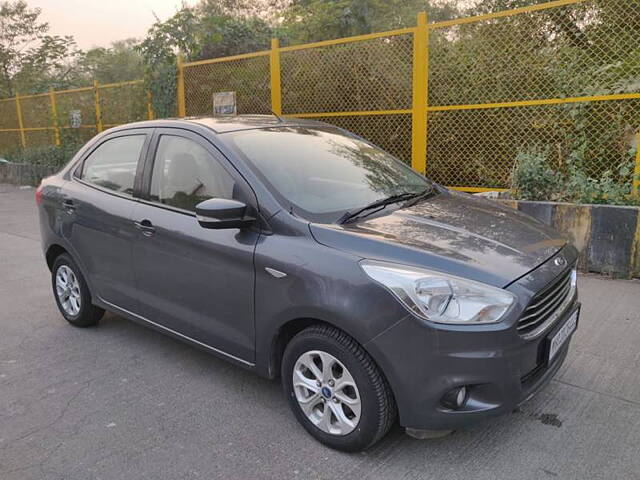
column 72, row 293
column 336, row 390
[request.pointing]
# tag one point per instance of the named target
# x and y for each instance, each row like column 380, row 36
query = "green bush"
column 534, row 179
column 52, row 155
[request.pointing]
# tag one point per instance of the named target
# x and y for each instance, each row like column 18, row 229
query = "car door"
column 195, row 281
column 97, row 205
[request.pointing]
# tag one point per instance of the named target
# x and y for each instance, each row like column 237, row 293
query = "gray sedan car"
column 301, row 251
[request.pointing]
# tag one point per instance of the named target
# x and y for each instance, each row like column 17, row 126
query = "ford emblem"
column 560, row 261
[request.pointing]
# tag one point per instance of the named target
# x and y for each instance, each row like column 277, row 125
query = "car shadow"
column 265, row 397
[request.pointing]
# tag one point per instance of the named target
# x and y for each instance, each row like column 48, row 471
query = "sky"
column 100, row 22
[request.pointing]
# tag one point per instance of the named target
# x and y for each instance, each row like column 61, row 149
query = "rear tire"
column 345, row 384
column 72, row 293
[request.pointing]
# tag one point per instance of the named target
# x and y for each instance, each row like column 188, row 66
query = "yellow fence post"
column 636, row 172
column 23, row 138
column 54, row 115
column 274, row 68
column 150, row 113
column 96, row 95
column 180, row 87
column 420, row 95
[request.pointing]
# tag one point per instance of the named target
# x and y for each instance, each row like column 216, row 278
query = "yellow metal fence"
column 45, row 118
column 459, row 100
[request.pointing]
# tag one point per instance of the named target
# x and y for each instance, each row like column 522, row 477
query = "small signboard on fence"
column 224, row 103
column 75, row 118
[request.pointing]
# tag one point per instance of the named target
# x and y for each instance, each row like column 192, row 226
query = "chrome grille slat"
column 545, row 304
column 551, row 301
column 548, row 310
column 554, row 288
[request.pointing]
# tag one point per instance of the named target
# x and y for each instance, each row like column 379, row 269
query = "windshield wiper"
column 382, row 203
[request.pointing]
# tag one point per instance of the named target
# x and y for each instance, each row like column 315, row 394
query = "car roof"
column 228, row 124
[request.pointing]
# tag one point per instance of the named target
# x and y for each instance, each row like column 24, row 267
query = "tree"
column 120, row 62
column 482, row 7
column 210, row 29
column 159, row 52
column 223, row 35
column 29, row 57
column 315, row 20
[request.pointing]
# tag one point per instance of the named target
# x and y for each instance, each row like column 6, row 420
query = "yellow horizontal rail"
column 533, row 103
column 477, row 106
column 120, row 84
column 478, row 189
column 348, row 114
column 36, row 129
column 17, row 130
column 21, row 130
column 324, row 43
column 242, row 56
column 504, row 13
column 74, row 90
column 356, row 38
column 41, row 129
column 22, row 97
column 388, row 33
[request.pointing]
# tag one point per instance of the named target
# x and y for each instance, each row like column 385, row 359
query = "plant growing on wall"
column 535, row 179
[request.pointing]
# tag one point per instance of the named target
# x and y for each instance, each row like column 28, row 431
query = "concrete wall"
column 24, row 174
column 607, row 236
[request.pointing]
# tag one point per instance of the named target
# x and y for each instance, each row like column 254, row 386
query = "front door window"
column 185, row 174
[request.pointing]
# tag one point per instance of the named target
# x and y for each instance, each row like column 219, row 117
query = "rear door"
column 195, row 281
column 97, row 207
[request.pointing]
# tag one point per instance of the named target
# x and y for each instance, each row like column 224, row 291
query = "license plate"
column 561, row 336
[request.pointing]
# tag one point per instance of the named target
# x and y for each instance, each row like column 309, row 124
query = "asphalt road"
column 123, row 402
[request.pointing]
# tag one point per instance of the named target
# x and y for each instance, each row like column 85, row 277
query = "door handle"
column 68, row 206
column 146, row 227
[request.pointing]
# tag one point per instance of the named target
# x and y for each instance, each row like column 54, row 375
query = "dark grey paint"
column 210, row 287
column 451, row 232
column 210, row 271
column 99, row 231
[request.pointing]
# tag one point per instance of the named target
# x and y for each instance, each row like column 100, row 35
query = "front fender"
column 322, row 284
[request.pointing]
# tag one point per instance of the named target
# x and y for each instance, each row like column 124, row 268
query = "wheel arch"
column 291, row 328
column 53, row 252
column 283, row 336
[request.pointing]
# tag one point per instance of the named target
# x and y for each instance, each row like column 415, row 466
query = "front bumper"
column 499, row 367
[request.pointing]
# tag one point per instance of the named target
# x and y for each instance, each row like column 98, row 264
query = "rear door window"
column 185, row 174
column 114, row 163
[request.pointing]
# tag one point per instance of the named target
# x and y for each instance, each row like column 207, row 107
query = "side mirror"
column 218, row 213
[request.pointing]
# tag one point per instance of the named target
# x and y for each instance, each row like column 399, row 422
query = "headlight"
column 438, row 297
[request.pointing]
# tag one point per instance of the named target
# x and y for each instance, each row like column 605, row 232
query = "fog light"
column 455, row 398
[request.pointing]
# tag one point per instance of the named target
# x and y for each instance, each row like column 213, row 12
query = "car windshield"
column 322, row 172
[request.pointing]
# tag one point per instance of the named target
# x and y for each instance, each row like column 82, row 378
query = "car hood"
column 450, row 232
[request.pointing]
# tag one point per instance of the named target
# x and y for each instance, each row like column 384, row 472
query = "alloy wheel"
column 68, row 290
column 326, row 392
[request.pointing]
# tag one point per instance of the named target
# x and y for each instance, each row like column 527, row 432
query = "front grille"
column 545, row 303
